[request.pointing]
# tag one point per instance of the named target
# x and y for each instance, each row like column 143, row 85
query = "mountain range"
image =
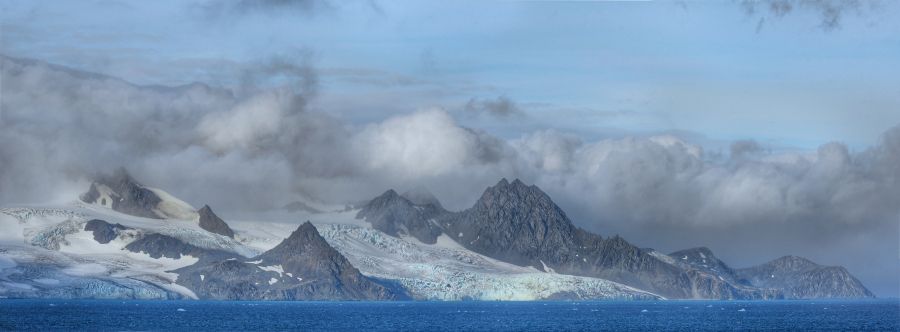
column 122, row 239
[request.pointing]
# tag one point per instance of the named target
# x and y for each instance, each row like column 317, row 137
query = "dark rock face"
column 127, row 196
column 520, row 224
column 302, row 267
column 212, row 223
column 800, row 278
column 515, row 223
column 702, row 259
column 158, row 245
column 712, row 278
column 103, row 231
column 394, row 215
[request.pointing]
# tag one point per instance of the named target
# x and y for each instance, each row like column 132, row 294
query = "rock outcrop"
column 122, row 193
column 800, row 278
column 520, row 224
column 302, row 267
column 397, row 215
column 103, row 231
column 714, row 279
column 158, row 245
column 210, row 222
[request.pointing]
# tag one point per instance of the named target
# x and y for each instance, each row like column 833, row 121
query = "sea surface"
column 107, row 315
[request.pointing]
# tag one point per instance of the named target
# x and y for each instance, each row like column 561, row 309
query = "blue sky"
column 597, row 69
column 626, row 113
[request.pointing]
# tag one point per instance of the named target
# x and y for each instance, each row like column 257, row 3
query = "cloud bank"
column 259, row 147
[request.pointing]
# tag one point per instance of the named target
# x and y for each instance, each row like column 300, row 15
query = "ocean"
column 109, row 315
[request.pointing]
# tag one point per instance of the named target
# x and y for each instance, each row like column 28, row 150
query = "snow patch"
column 173, row 208
column 274, row 268
column 547, row 268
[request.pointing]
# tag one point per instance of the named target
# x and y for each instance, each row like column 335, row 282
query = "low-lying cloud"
column 258, row 147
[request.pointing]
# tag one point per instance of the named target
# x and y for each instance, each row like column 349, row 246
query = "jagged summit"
column 520, row 200
column 120, row 192
column 517, row 193
column 212, row 223
column 302, row 267
column 397, row 215
column 514, row 222
column 303, row 240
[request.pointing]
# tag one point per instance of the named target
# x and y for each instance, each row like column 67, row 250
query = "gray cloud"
column 829, row 12
column 501, row 107
column 832, row 205
column 258, row 147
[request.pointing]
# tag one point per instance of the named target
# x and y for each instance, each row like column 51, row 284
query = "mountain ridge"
column 520, row 224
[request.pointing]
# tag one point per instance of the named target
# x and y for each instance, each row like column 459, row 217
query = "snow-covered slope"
column 46, row 252
column 441, row 271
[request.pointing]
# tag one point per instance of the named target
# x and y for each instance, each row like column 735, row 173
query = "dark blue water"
column 43, row 315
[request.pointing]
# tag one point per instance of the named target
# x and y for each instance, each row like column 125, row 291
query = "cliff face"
column 800, row 278
column 302, row 267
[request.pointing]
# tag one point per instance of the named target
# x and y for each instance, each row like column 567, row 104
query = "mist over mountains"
column 260, row 147
column 125, row 240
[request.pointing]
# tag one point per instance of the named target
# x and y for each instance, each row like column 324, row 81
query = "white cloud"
column 265, row 149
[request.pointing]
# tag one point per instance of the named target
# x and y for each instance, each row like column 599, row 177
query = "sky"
column 756, row 128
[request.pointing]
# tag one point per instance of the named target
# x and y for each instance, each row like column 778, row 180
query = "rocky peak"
column 302, row 267
column 387, row 197
column 210, row 222
column 517, row 202
column 506, row 193
column 395, row 215
column 301, row 240
column 123, row 193
column 516, row 223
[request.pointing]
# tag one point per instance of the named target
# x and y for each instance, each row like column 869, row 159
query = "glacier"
column 46, row 253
